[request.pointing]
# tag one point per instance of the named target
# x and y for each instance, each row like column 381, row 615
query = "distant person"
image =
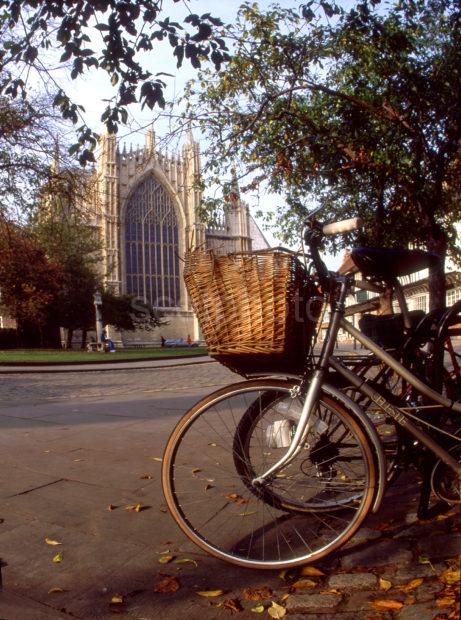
column 189, row 340
column 162, row 340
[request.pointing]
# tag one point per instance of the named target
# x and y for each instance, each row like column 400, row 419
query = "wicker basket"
column 251, row 308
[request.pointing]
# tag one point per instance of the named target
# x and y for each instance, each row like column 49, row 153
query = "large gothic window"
column 151, row 246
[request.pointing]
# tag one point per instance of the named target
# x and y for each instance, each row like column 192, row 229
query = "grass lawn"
column 41, row 356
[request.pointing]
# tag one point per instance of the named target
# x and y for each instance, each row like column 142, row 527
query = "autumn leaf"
column 136, row 508
column 276, row 611
column 165, row 559
column 384, row 584
column 303, row 583
column 196, row 470
column 49, row 541
column 257, row 594
column 247, row 514
column 186, row 561
column 210, row 593
column 445, row 601
column 168, row 584
column 156, row 458
column 111, row 507
column 386, row 604
column 258, row 609
column 451, row 576
column 423, row 559
column 412, row 585
column 145, row 477
column 56, row 590
column 236, row 498
column 311, row 571
column 57, row 558
column 117, row 599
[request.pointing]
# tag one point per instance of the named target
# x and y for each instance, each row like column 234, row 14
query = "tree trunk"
column 70, row 333
column 437, row 282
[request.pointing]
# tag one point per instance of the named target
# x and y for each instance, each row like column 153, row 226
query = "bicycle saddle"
column 387, row 263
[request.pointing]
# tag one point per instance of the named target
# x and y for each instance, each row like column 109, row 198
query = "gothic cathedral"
column 147, row 214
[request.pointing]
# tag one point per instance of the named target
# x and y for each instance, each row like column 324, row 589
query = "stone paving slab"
column 66, row 459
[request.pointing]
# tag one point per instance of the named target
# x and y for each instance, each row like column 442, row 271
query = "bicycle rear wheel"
column 306, row 511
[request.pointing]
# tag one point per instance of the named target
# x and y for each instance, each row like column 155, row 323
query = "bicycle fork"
column 314, row 389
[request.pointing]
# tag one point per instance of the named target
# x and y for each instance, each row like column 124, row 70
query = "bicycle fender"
column 367, row 425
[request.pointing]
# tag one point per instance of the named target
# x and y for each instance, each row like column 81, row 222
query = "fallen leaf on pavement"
column 451, row 576
column 236, row 498
column 386, row 604
column 303, row 583
column 257, row 594
column 111, row 507
column 156, row 458
column 52, row 542
column 186, row 561
column 145, row 477
column 165, row 559
column 56, row 590
column 412, row 585
column 258, row 609
column 446, row 601
column 423, row 559
column 168, row 584
column 276, row 611
column 117, row 599
column 210, row 593
column 311, row 571
column 57, row 558
column 136, row 508
column 384, row 584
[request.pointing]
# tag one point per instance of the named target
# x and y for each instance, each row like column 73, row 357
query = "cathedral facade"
column 147, row 206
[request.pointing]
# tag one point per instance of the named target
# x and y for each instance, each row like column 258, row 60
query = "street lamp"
column 97, row 307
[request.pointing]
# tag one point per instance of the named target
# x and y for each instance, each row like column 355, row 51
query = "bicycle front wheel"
column 307, row 510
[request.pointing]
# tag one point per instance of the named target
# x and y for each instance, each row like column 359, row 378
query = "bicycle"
column 274, row 473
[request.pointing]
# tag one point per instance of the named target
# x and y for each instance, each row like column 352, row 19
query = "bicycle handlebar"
column 313, row 235
column 343, row 226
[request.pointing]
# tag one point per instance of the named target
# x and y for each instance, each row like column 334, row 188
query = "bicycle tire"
column 211, row 502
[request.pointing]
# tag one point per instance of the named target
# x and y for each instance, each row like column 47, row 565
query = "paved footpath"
column 74, row 444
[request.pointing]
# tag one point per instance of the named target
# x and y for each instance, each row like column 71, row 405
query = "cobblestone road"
column 95, row 385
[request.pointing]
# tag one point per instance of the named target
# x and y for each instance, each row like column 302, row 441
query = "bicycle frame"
column 328, row 360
